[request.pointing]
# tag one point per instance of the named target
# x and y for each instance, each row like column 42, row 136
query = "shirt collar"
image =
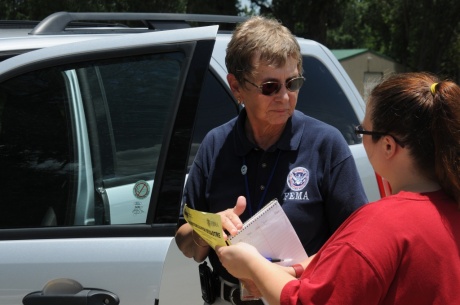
column 289, row 140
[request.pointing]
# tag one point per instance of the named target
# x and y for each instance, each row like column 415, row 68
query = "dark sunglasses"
column 360, row 131
column 273, row 87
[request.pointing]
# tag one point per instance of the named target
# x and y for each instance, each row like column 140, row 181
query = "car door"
column 94, row 145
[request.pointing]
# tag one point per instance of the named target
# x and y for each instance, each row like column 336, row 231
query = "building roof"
column 342, row 54
column 347, row 53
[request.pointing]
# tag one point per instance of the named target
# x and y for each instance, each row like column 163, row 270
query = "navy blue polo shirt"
column 310, row 170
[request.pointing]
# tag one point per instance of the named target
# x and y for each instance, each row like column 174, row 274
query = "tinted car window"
column 321, row 97
column 216, row 107
column 132, row 100
column 36, row 150
column 128, row 103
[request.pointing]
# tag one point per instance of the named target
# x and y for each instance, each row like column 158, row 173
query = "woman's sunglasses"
column 273, row 87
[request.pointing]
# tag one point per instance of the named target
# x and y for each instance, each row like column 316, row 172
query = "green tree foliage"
column 39, row 9
column 305, row 18
column 227, row 7
column 310, row 18
column 422, row 35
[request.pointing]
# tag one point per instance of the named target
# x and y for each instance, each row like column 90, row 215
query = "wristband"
column 298, row 269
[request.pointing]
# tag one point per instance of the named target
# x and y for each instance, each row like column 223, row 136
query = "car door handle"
column 70, row 292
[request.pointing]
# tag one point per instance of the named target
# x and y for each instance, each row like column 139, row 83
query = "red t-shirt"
column 403, row 249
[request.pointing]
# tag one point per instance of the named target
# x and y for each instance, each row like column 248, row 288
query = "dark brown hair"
column 423, row 113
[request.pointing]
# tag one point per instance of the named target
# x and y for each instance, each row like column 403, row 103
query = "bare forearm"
column 191, row 244
column 270, row 279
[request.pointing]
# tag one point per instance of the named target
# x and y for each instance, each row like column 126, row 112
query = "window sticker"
column 141, row 189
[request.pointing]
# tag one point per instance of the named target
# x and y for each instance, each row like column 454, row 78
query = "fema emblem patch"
column 298, row 178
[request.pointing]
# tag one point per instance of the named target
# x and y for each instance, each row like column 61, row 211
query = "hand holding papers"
column 207, row 225
column 271, row 232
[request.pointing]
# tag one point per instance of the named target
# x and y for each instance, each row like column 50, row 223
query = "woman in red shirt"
column 402, row 249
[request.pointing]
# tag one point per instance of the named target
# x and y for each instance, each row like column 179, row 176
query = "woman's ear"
column 389, row 146
column 234, row 86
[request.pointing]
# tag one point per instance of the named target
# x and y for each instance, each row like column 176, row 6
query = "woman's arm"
column 244, row 261
column 191, row 244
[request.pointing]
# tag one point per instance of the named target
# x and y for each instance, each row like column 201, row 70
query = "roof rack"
column 63, row 22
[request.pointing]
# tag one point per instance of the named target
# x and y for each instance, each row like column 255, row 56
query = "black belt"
column 231, row 293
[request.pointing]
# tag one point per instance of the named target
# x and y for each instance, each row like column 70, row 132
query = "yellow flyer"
column 207, row 225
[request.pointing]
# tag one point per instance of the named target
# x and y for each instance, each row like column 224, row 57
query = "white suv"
column 98, row 126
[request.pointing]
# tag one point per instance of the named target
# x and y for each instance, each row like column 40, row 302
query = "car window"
column 131, row 100
column 322, row 97
column 36, row 154
column 215, row 107
column 127, row 104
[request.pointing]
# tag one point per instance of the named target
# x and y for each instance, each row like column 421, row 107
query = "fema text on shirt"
column 297, row 180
